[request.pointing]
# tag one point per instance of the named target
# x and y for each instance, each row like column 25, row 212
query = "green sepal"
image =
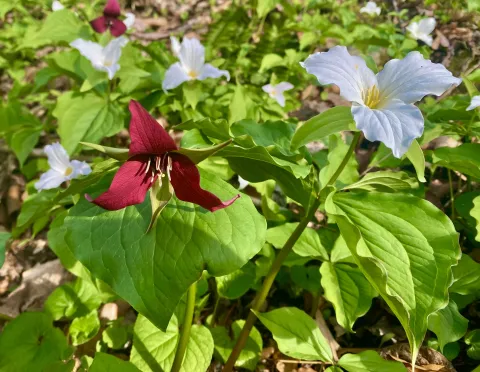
column 160, row 194
column 198, row 155
column 118, row 154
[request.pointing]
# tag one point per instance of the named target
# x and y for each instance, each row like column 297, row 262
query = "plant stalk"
column 185, row 330
column 277, row 264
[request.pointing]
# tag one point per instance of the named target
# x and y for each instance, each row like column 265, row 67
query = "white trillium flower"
column 382, row 104
column 129, row 21
column 62, row 169
column 57, row 5
column 276, row 91
column 242, row 183
column 102, row 58
column 371, row 8
column 176, row 46
column 474, row 103
column 192, row 66
column 421, row 30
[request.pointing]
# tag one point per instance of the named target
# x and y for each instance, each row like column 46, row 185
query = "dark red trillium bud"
column 151, row 156
column 110, row 20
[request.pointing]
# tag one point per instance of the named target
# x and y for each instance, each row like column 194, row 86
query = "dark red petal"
column 99, row 24
column 117, row 28
column 147, row 136
column 129, row 186
column 185, row 180
column 112, row 8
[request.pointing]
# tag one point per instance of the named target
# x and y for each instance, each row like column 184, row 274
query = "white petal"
column 427, row 39
column 371, row 8
column 80, row 168
column 337, row 66
column 427, row 25
column 90, row 50
column 50, row 180
column 283, row 86
column 242, row 183
column 174, row 76
column 396, row 125
column 209, row 71
column 129, row 21
column 192, row 55
column 175, row 45
column 413, row 29
column 58, row 158
column 279, row 98
column 111, row 55
column 474, row 103
column 268, row 88
column 57, row 5
column 412, row 78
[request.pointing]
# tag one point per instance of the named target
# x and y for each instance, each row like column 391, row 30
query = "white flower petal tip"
column 276, row 91
column 371, row 8
column 102, row 58
column 129, row 20
column 192, row 66
column 421, row 30
column 475, row 102
column 242, row 183
column 61, row 168
column 57, row 5
column 382, row 104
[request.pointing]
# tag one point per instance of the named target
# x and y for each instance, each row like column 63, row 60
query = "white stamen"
column 148, row 166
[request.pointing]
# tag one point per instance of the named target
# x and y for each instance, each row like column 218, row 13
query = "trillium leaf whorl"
column 382, row 104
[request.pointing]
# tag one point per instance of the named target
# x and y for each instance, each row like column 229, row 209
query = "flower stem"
column 185, row 329
column 277, row 264
column 215, row 312
column 452, row 196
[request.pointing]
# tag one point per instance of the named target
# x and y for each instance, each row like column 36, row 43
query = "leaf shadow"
column 147, row 357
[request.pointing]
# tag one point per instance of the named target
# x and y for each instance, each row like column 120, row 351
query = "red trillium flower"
column 110, row 20
column 152, row 157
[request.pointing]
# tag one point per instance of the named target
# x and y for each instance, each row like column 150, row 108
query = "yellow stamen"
column 68, row 171
column 108, row 63
column 193, row 74
column 371, row 97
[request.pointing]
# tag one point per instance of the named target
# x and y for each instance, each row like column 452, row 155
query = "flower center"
column 371, row 97
column 68, row 171
column 107, row 63
column 193, row 74
column 158, row 166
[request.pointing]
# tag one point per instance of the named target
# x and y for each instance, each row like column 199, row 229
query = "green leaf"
column 385, row 181
column 337, row 151
column 466, row 276
column 265, row 6
column 236, row 284
column 192, row 94
column 113, row 152
column 154, row 350
column 309, row 244
column 250, row 354
column 463, row 158
column 369, row 361
column 218, row 129
column 31, row 343
column 106, row 362
column 238, row 109
column 84, row 328
column 475, row 213
column 308, row 38
column 270, row 60
column 23, row 141
column 86, row 118
column 296, row 334
column 405, row 247
column 416, row 157
column 306, row 277
column 473, row 340
column 340, row 252
column 152, row 271
column 329, row 122
column 4, row 236
column 199, row 155
column 348, row 290
column 448, row 324
column 115, row 336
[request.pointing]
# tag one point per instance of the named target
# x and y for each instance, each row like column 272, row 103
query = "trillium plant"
column 221, row 180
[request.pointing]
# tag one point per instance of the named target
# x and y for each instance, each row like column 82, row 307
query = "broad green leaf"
column 84, row 328
column 405, row 247
column 152, row 271
column 239, row 106
column 4, row 236
column 30, row 342
column 86, row 118
column 199, row 155
column 385, row 181
column 416, row 157
column 448, row 324
column 23, row 141
column 329, row 122
column 337, row 149
column 369, row 361
column 265, row 6
column 466, row 276
column 463, row 158
column 250, row 354
column 106, row 363
column 348, row 290
column 310, row 244
column 218, row 129
column 34, row 207
column 308, row 38
column 236, row 284
column 340, row 252
column 192, row 94
column 306, row 277
column 471, row 88
column 114, row 153
column 154, row 350
column 115, row 336
column 475, row 213
column 464, row 205
column 473, row 340
column 296, row 334
column 271, row 60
